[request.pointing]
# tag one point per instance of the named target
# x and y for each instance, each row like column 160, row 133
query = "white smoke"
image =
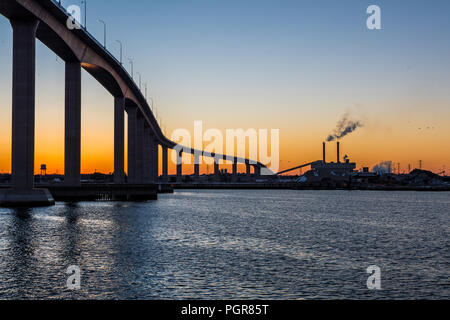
column 344, row 127
column 382, row 168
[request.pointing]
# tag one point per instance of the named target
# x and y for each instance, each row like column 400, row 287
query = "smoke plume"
column 345, row 126
column 382, row 168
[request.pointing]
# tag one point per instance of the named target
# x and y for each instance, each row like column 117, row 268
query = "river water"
column 231, row 244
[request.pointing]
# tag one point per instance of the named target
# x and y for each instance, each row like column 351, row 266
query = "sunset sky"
column 296, row 66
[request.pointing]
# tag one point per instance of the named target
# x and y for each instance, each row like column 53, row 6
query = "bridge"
column 46, row 20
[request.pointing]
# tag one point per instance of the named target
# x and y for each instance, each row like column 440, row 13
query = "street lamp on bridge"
column 132, row 72
column 139, row 74
column 120, row 42
column 85, row 12
column 104, row 32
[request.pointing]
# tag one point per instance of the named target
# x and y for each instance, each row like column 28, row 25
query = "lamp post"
column 120, row 42
column 132, row 72
column 85, row 11
column 104, row 31
column 139, row 74
column 151, row 105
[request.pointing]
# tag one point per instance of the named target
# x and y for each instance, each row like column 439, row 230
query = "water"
column 231, row 245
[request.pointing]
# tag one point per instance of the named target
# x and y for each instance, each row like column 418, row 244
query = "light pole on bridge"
column 132, row 72
column 121, row 46
column 104, row 31
column 151, row 105
column 85, row 12
column 139, row 74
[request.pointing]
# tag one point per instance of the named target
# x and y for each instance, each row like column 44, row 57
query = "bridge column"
column 147, row 154
column 140, row 149
column 234, row 172
column 23, row 118
column 179, row 165
column 155, row 160
column 216, row 168
column 132, row 139
column 72, row 145
column 119, row 140
column 165, row 164
column 247, row 167
column 196, row 165
column 23, row 100
column 257, row 169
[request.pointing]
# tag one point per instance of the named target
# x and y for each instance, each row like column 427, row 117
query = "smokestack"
column 338, row 157
column 324, row 147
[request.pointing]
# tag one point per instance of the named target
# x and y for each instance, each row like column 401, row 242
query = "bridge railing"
column 64, row 10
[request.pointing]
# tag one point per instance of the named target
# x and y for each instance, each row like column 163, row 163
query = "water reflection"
column 21, row 250
column 230, row 244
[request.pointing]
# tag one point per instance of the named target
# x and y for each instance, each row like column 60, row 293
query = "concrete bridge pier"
column 179, row 165
column 247, row 169
column 216, row 168
column 139, row 179
column 119, row 140
column 132, row 138
column 155, row 159
column 257, row 169
column 196, row 166
column 234, row 170
column 72, row 144
column 23, row 118
column 165, row 164
column 148, row 157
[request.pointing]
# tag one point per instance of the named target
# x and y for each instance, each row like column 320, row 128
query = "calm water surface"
column 231, row 244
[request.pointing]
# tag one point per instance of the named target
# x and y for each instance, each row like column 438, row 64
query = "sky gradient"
column 297, row 66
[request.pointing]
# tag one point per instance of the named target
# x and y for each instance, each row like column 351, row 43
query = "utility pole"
column 420, row 164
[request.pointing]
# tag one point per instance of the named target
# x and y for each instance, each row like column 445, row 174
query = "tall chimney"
column 324, row 147
column 338, row 157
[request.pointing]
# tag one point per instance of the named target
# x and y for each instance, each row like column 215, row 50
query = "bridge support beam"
column 179, row 165
column 165, row 164
column 257, row 169
column 196, row 165
column 119, row 140
column 147, row 156
column 247, row 169
column 23, row 118
column 72, row 145
column 139, row 150
column 234, row 172
column 155, row 160
column 132, row 146
column 216, row 168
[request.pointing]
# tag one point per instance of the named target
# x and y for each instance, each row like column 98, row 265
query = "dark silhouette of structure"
column 46, row 20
